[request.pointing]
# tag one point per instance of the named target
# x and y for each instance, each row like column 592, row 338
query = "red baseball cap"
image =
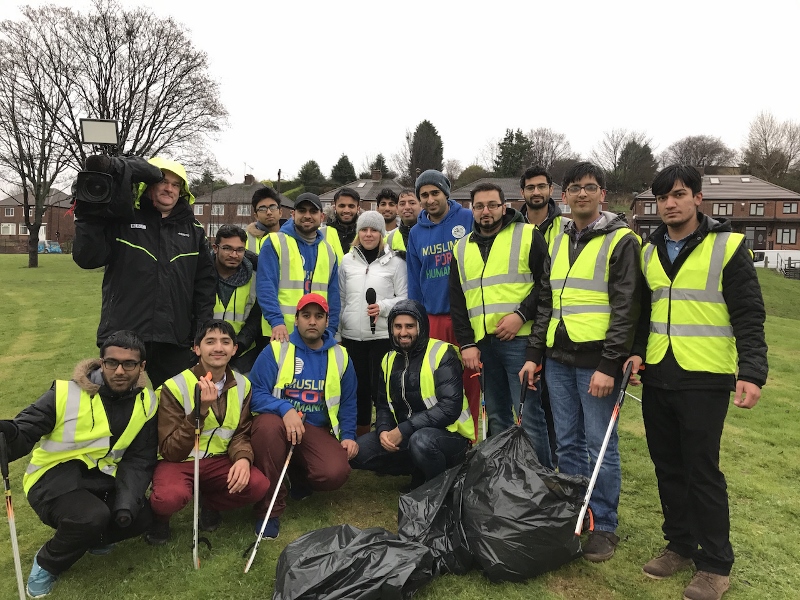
column 313, row 299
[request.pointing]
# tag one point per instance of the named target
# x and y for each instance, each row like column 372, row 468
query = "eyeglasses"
column 270, row 208
column 589, row 188
column 112, row 364
column 232, row 250
column 482, row 207
column 540, row 187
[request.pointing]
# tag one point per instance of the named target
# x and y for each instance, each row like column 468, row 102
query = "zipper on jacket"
column 403, row 385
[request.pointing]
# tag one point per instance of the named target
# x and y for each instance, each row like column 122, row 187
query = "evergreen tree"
column 514, row 154
column 427, row 150
column 343, row 171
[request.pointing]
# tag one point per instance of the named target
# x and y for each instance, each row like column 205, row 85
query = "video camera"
column 106, row 188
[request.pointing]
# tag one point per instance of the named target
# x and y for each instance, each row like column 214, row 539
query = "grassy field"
column 51, row 314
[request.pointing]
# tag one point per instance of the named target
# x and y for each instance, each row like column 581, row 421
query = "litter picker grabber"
column 255, row 544
column 10, row 512
column 614, row 416
column 522, row 393
column 480, row 377
column 196, row 539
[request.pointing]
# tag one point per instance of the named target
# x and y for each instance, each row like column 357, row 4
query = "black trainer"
column 158, row 534
column 210, row 519
column 600, row 546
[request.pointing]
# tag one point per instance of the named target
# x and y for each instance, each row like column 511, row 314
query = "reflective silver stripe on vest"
column 431, row 401
column 241, row 386
column 323, row 287
column 461, row 252
column 71, row 411
column 692, row 330
column 390, row 237
column 65, row 446
column 512, row 274
column 500, row 307
column 597, row 283
column 715, row 297
column 648, row 252
column 711, row 292
column 582, row 309
column 286, row 281
column 276, row 391
column 183, row 385
column 338, row 352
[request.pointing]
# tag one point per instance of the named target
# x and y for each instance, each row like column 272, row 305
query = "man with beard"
column 423, row 423
column 536, row 187
column 408, row 207
column 340, row 231
column 88, row 478
column 236, row 294
column 296, row 261
column 495, row 279
column 387, row 206
column 267, row 211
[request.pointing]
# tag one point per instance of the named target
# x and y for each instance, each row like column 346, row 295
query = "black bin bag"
column 518, row 516
column 431, row 515
column 345, row 562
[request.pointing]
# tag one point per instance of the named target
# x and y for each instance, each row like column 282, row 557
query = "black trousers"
column 167, row 360
column 83, row 520
column 366, row 357
column 683, row 435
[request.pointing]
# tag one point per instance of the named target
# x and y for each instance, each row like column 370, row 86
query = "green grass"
column 51, row 313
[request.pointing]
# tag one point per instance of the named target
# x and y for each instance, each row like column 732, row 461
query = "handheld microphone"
column 372, row 298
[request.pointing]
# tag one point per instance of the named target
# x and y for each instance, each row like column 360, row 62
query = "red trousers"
column 441, row 327
column 319, row 460
column 173, row 486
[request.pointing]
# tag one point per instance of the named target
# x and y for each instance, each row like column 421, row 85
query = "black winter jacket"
column 135, row 470
column 159, row 279
column 742, row 294
column 553, row 211
column 624, row 294
column 404, row 382
column 527, row 306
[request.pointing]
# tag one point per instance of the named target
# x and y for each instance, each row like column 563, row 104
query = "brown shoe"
column 600, row 546
column 706, row 586
column 666, row 564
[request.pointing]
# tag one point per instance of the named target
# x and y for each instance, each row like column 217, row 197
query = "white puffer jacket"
column 386, row 275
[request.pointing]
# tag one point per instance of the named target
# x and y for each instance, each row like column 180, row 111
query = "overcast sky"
column 311, row 80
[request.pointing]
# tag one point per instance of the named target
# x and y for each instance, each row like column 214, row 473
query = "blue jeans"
column 502, row 362
column 429, row 451
column 581, row 421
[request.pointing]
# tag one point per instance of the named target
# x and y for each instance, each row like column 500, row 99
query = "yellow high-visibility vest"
column 690, row 312
column 239, row 306
column 82, row 432
column 395, row 240
column 495, row 288
column 434, row 353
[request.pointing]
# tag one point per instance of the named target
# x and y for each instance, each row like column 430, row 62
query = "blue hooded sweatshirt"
column 428, row 256
column 306, row 393
column 269, row 275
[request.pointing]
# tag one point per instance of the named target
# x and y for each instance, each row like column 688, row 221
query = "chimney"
column 376, row 175
column 249, row 180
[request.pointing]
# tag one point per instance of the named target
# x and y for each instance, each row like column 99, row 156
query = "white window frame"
column 198, row 210
column 23, row 229
column 243, row 210
column 756, row 209
column 217, row 210
column 790, row 208
column 650, row 208
column 213, row 229
column 722, row 209
column 8, row 229
column 9, row 211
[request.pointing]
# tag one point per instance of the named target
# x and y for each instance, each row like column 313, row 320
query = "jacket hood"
column 707, row 225
column 288, row 229
column 512, row 216
column 328, row 341
column 88, row 375
column 416, row 310
column 608, row 222
column 240, row 277
column 166, row 165
column 553, row 210
column 425, row 221
column 255, row 231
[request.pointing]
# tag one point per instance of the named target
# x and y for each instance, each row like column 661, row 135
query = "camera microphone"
column 372, row 298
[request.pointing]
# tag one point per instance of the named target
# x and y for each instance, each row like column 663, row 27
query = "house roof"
column 238, row 193
column 509, row 185
column 56, row 198
column 736, row 187
column 368, row 189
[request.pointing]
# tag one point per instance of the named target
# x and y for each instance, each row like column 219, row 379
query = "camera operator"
column 159, row 277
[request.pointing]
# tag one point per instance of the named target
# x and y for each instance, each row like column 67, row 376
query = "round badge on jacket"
column 459, row 231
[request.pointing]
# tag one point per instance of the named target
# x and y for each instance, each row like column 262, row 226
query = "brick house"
column 765, row 213
column 368, row 189
column 231, row 206
column 56, row 223
column 511, row 191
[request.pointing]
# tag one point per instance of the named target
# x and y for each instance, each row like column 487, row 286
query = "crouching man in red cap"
column 310, row 375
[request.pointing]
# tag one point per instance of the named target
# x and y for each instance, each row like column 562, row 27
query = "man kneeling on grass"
column 88, row 477
column 227, row 478
column 312, row 375
column 423, row 423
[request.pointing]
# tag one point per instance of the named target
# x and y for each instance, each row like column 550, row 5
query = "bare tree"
column 548, row 146
column 33, row 154
column 772, row 147
column 607, row 153
column 400, row 161
column 453, row 169
column 698, row 151
column 487, row 155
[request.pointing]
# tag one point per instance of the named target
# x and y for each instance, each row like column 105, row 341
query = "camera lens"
column 94, row 187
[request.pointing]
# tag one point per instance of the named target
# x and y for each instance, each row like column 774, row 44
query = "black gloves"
column 9, row 429
column 123, row 518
